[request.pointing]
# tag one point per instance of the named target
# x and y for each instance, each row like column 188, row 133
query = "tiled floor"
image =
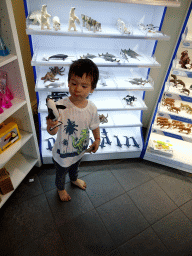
column 130, row 207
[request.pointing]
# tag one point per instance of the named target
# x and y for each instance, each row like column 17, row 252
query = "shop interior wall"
column 173, row 22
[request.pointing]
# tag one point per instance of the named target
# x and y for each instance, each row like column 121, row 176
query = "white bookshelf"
column 24, row 154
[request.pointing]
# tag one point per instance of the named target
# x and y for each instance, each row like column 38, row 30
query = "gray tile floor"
column 130, row 207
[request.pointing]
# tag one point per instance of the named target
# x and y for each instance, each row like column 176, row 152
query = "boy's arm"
column 95, row 145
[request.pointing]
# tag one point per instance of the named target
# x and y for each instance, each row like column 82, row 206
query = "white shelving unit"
column 116, row 78
column 19, row 158
column 177, row 129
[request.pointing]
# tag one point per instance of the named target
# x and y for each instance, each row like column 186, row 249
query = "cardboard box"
column 9, row 133
column 5, row 182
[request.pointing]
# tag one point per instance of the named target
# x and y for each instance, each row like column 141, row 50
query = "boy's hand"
column 94, row 147
column 51, row 123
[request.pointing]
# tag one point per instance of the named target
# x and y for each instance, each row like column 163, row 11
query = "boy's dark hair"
column 85, row 66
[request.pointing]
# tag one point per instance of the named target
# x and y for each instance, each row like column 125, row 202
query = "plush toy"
column 72, row 19
column 45, row 17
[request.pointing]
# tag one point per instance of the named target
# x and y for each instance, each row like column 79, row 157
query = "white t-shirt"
column 73, row 135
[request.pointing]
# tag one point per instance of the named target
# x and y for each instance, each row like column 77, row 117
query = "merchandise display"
column 9, row 133
column 123, row 52
column 19, row 151
column 173, row 116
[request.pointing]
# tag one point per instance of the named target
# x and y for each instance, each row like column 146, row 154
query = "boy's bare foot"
column 80, row 183
column 64, row 196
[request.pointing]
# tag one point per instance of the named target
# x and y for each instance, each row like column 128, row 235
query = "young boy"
column 79, row 116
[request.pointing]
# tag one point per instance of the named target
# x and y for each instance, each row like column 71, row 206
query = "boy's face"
column 80, row 88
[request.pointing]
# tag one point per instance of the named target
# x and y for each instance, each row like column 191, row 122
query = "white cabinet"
column 118, row 78
column 176, row 128
column 21, row 157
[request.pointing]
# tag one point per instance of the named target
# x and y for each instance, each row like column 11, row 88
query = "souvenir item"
column 35, row 17
column 118, row 141
column 45, row 22
column 3, row 48
column 56, row 23
column 127, row 142
column 9, row 133
column 5, row 94
column 72, row 19
column 135, row 142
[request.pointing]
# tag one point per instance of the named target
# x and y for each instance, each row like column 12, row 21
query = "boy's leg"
column 73, row 174
column 60, row 181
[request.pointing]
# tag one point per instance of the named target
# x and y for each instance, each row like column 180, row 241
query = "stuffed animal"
column 72, row 19
column 45, row 17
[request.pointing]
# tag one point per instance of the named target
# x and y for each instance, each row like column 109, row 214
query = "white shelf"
column 109, row 80
column 115, row 119
column 18, row 167
column 41, row 53
column 107, row 32
column 111, row 151
column 181, row 158
column 13, row 149
column 168, row 3
column 17, row 104
column 4, row 60
column 112, row 101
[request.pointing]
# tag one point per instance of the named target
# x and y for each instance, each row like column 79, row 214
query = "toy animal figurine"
column 129, row 53
column 118, row 141
column 35, row 17
column 184, row 59
column 188, row 130
column 102, row 143
column 45, row 17
column 122, row 27
column 49, row 77
column 174, row 109
column 72, row 19
column 108, row 57
column 50, row 147
column 138, row 81
column 104, row 132
column 57, row 70
column 185, row 91
column 129, row 99
column 127, row 142
column 135, row 142
column 149, row 28
column 88, row 56
column 57, row 57
column 56, row 23
column 103, row 119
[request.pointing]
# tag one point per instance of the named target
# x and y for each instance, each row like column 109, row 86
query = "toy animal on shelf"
column 162, row 121
column 129, row 99
column 103, row 119
column 50, row 76
column 45, row 17
column 118, row 141
column 122, row 27
column 138, row 81
column 35, row 17
column 184, row 59
column 185, row 91
column 88, row 22
column 129, row 53
column 168, row 102
column 109, row 57
column 56, row 23
column 72, row 19
column 174, row 109
column 188, row 130
column 176, row 81
column 135, row 142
